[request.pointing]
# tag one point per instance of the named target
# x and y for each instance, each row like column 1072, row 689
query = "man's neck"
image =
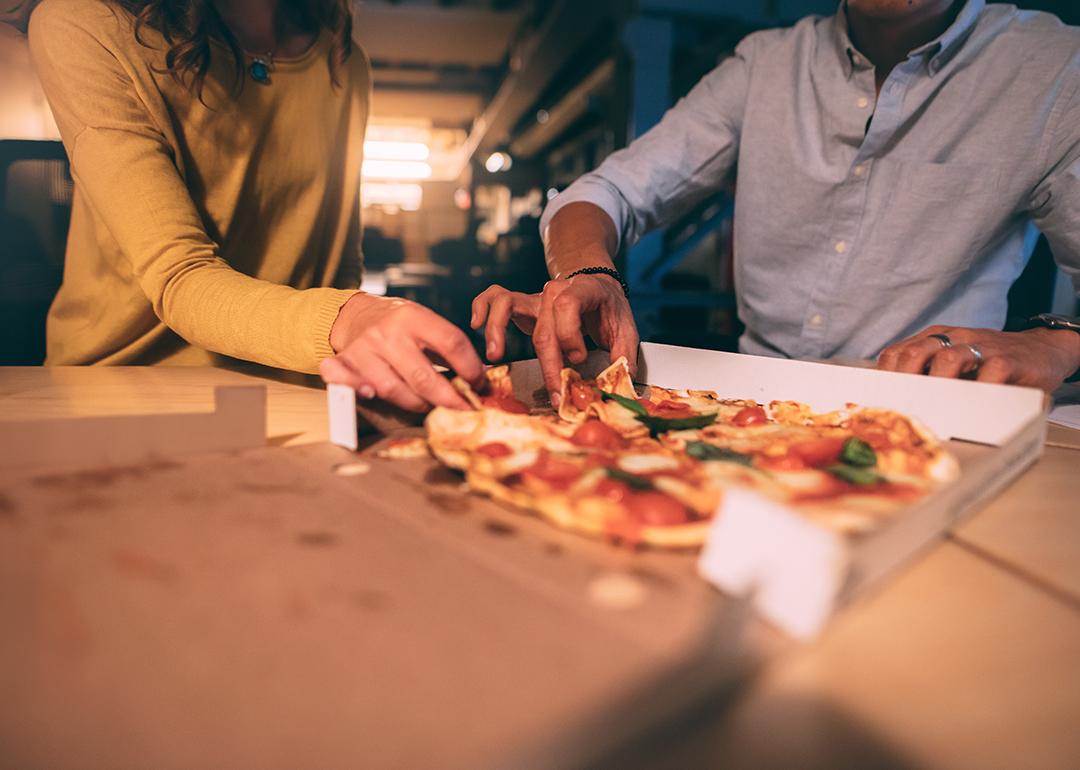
column 887, row 41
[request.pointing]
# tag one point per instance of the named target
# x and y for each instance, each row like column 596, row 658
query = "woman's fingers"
column 415, row 369
column 372, row 377
column 446, row 341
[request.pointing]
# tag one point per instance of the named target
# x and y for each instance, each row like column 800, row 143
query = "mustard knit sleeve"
column 124, row 166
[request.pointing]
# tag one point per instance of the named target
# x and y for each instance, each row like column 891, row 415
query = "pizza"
column 653, row 468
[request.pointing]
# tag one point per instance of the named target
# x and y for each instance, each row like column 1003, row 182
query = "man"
column 892, row 163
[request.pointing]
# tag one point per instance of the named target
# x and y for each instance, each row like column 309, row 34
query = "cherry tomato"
column 613, row 490
column 597, row 435
column 819, row 451
column 558, row 473
column 505, row 403
column 581, row 395
column 656, row 509
column 750, row 415
column 494, row 450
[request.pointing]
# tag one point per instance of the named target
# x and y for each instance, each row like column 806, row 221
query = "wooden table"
column 968, row 659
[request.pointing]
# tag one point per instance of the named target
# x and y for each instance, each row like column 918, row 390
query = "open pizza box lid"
column 797, row 572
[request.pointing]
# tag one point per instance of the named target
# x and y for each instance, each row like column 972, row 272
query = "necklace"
column 261, row 67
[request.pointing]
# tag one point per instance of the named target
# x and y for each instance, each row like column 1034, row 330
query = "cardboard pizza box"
column 795, row 572
column 311, row 607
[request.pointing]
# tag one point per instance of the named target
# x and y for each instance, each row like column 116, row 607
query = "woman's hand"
column 385, row 348
column 556, row 317
column 1039, row 358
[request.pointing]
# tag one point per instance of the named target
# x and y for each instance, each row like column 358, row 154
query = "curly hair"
column 188, row 26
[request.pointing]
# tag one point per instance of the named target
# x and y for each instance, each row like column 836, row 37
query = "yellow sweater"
column 199, row 231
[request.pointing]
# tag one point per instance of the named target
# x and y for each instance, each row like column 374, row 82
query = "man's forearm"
column 580, row 235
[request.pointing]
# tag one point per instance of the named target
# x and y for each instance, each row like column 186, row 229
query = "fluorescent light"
column 387, row 150
column 395, row 169
column 407, row 197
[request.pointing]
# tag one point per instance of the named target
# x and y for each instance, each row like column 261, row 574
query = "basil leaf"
column 858, row 453
column 861, row 477
column 623, row 401
column 657, row 425
column 699, row 450
column 639, row 483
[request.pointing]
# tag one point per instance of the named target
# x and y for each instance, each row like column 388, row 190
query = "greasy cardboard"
column 314, row 607
column 798, row 573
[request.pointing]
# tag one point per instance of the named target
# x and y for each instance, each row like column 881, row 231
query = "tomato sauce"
column 582, row 394
column 494, row 450
column 505, row 404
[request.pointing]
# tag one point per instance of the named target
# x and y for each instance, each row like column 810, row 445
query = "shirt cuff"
column 325, row 317
column 589, row 189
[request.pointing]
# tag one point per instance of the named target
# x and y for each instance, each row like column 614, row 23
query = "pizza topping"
column 860, row 477
column 819, row 451
column 494, row 450
column 658, row 425
column 858, row 453
column 582, row 394
column 750, row 415
column 656, row 509
column 505, row 404
column 630, row 479
column 558, row 473
column 637, row 406
column 597, row 435
column 699, row 450
column 648, row 463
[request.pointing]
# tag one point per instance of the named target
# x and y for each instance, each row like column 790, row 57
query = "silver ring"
column 942, row 338
column 978, row 356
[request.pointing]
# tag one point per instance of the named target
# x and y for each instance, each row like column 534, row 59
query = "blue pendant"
column 260, row 71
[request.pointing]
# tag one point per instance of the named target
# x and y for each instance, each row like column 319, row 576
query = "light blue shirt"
column 848, row 238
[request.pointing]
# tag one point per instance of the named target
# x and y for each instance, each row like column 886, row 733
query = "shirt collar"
column 937, row 51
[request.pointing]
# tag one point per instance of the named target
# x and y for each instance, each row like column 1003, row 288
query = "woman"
column 216, row 149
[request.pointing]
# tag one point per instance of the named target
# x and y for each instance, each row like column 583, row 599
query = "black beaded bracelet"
column 603, row 271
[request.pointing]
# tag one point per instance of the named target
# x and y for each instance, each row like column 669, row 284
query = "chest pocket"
column 954, row 210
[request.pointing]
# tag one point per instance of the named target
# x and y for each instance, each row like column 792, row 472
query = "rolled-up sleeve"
column 674, row 165
column 1056, row 200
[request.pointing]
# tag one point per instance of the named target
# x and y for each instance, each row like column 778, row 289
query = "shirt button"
column 862, row 102
column 841, row 247
column 859, row 170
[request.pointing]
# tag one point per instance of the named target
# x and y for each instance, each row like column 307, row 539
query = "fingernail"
column 492, row 348
column 366, row 392
column 555, row 400
column 472, row 321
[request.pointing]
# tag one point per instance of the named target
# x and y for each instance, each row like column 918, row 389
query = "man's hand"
column 556, row 317
column 385, row 349
column 1039, row 358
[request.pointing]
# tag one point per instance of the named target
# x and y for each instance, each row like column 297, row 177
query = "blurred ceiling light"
column 383, row 150
column 498, row 161
column 395, row 170
column 406, row 197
